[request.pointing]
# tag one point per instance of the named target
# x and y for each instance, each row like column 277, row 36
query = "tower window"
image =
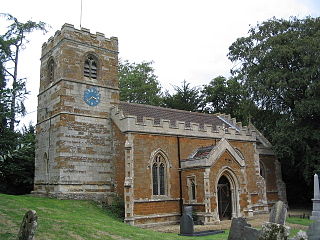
column 90, row 67
column 159, row 175
column 51, row 70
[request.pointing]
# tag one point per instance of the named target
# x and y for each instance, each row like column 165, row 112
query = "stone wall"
column 143, row 205
column 74, row 151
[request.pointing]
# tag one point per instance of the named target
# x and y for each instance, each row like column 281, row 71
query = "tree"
column 10, row 45
column 17, row 162
column 16, row 148
column 278, row 64
column 228, row 96
column 185, row 98
column 138, row 83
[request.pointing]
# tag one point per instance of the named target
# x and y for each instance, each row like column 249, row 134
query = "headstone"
column 250, row 233
column 186, row 222
column 274, row 231
column 314, row 231
column 316, row 199
column 28, row 226
column 237, row 228
column 278, row 213
column 301, row 235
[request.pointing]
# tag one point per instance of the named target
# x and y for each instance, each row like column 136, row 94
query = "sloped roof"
column 174, row 115
column 203, row 152
column 207, row 156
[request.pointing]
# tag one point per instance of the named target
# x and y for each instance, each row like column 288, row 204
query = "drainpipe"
column 180, row 176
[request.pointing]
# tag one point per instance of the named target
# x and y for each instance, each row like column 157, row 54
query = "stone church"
column 90, row 145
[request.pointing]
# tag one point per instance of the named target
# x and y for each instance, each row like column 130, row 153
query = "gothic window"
column 51, row 70
column 159, row 175
column 90, row 67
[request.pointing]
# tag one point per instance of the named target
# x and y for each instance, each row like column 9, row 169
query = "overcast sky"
column 187, row 40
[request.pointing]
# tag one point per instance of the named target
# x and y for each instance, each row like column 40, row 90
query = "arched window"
column 159, row 175
column 51, row 70
column 90, row 67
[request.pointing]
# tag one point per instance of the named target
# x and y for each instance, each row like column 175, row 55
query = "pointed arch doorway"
column 224, row 198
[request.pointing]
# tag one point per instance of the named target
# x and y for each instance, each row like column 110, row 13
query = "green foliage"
column 17, row 161
column 278, row 65
column 300, row 221
column 185, row 98
column 73, row 219
column 228, row 96
column 279, row 62
column 138, row 83
column 116, row 208
column 11, row 42
column 222, row 95
column 16, row 149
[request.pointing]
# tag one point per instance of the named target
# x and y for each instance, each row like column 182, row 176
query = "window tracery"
column 159, row 175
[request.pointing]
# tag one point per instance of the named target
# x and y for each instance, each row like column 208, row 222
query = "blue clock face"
column 92, row 96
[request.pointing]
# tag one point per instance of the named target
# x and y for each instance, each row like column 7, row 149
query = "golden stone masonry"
column 92, row 146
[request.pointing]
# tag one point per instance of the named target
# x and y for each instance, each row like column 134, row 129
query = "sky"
column 186, row 39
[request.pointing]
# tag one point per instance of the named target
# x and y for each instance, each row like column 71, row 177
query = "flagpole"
column 81, row 14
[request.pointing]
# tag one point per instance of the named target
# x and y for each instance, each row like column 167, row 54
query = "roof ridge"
column 170, row 109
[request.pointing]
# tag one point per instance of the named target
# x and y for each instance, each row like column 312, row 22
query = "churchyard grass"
column 71, row 219
column 300, row 221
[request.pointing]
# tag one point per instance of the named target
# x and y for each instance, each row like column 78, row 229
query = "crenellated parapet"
column 131, row 123
column 68, row 54
column 230, row 120
column 83, row 35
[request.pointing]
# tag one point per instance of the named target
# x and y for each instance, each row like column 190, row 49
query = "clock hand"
column 92, row 97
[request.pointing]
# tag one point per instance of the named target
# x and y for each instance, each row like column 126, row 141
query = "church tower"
column 78, row 86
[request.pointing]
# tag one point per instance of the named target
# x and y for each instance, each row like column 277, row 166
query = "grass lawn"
column 300, row 221
column 72, row 219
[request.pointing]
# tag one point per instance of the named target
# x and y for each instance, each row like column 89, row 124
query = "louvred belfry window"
column 90, row 67
column 159, row 175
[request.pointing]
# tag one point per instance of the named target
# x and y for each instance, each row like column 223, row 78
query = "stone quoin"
column 90, row 145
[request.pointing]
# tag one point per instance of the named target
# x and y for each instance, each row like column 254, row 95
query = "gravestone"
column 250, row 233
column 301, row 235
column 274, row 231
column 314, row 231
column 278, row 213
column 241, row 230
column 316, row 199
column 186, row 222
column 275, row 228
column 28, row 226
